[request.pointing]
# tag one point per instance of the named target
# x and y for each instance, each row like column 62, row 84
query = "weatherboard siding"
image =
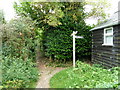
column 108, row 56
column 118, row 45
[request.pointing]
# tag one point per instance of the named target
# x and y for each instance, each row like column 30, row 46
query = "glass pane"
column 108, row 31
column 109, row 39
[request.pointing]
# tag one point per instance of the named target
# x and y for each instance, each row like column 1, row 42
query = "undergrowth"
column 17, row 73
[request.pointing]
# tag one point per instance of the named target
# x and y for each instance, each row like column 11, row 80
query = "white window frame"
column 105, row 35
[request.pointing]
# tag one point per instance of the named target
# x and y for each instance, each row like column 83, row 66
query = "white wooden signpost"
column 73, row 34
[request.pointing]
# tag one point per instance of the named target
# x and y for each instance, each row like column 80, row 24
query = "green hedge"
column 58, row 43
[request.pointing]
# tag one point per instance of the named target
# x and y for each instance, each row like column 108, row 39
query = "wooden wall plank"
column 108, row 56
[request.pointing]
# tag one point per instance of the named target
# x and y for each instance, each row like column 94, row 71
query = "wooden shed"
column 106, row 42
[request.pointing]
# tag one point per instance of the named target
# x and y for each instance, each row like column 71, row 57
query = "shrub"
column 18, row 73
column 19, row 38
column 19, row 41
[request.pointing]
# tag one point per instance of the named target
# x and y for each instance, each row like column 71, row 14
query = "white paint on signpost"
column 73, row 50
column 78, row 36
column 73, row 34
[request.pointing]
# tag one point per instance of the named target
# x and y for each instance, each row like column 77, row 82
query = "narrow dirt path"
column 46, row 73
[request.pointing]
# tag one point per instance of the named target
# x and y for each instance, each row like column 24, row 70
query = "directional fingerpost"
column 73, row 34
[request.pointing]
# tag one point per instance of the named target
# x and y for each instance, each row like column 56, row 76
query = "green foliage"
column 18, row 73
column 0, row 71
column 98, row 8
column 86, row 76
column 42, row 12
column 19, row 42
column 2, row 18
column 58, row 42
column 50, row 12
column 19, row 38
column 59, row 20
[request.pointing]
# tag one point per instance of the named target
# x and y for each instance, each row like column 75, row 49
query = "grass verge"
column 86, row 76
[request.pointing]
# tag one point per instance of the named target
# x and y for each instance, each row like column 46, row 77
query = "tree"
column 98, row 8
column 58, row 20
column 58, row 43
column 2, row 19
column 49, row 12
column 44, row 13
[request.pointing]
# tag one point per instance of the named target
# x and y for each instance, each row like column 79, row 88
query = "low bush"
column 18, row 73
column 86, row 76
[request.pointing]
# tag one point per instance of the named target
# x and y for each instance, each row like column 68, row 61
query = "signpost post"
column 73, row 34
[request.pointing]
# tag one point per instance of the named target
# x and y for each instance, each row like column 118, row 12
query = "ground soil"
column 46, row 72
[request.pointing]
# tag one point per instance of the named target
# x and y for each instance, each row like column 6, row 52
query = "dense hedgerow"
column 59, row 44
column 19, row 38
column 19, row 42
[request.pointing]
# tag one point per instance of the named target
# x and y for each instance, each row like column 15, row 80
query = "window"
column 108, row 36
